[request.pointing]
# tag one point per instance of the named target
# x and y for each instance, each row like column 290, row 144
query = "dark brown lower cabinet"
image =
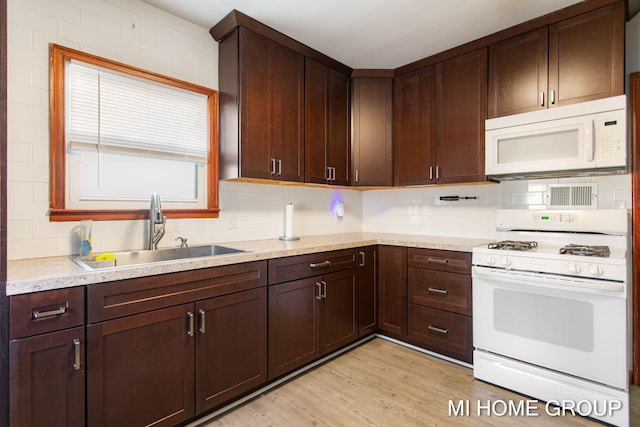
column 439, row 296
column 442, row 331
column 392, row 290
column 47, row 379
column 367, row 291
column 309, row 318
column 231, row 347
column 165, row 366
column 140, row 369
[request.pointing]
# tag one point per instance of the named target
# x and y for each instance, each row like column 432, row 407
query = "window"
column 119, row 133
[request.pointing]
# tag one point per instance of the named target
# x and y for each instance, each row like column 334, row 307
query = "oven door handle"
column 518, row 278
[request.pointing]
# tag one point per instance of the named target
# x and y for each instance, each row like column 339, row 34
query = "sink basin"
column 146, row 256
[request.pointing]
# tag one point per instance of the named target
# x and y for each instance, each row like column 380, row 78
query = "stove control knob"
column 574, row 267
column 491, row 260
column 506, row 261
column 596, row 270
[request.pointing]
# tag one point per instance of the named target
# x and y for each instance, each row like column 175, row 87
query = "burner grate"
column 584, row 250
column 513, row 245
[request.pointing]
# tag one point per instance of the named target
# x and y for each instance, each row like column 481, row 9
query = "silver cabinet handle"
column 357, row 177
column 273, row 166
column 279, row 167
column 202, row 315
column 437, row 173
column 439, row 330
column 438, row 260
column 318, row 291
column 76, row 351
column 438, row 291
column 328, row 173
column 333, row 174
column 553, row 96
column 542, row 99
column 190, row 324
column 430, row 172
column 362, row 254
column 51, row 313
column 320, row 264
column 324, row 289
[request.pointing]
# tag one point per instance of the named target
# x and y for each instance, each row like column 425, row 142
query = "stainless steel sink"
column 147, row 256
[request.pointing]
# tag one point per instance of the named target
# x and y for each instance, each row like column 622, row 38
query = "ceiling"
column 381, row 34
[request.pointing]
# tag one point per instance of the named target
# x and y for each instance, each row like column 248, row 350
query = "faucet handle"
column 183, row 241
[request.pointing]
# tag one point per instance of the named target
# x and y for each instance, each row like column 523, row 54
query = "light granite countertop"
column 40, row 274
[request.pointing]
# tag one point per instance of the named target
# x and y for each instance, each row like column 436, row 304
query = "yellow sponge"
column 104, row 257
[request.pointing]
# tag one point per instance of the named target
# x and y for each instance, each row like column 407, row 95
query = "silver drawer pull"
column 76, row 350
column 320, row 264
column 438, row 291
column 51, row 313
column 318, row 291
column 438, row 260
column 439, row 330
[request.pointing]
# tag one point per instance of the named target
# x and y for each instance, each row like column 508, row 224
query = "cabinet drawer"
column 438, row 289
column 302, row 266
column 441, row 331
column 116, row 299
column 452, row 261
column 48, row 311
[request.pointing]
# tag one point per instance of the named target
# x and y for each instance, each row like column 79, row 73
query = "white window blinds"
column 115, row 113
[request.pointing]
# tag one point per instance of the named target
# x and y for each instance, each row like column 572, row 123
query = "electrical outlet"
column 233, row 221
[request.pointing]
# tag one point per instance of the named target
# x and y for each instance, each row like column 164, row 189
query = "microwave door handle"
column 590, row 142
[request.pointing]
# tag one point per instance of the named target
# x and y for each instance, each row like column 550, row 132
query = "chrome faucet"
column 156, row 222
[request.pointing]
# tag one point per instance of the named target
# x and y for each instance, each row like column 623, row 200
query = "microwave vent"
column 572, row 195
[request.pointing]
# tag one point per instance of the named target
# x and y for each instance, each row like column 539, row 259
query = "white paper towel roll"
column 288, row 220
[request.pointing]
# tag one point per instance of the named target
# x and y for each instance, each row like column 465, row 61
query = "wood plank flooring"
column 381, row 383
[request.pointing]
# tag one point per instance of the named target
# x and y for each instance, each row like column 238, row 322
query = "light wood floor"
column 381, row 383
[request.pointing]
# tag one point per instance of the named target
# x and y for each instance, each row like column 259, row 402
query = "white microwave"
column 578, row 139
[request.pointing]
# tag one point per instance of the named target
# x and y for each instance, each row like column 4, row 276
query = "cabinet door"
column 326, row 125
column 414, row 127
column 256, row 151
column 462, row 110
column 287, row 110
column 231, row 347
column 339, row 322
column 140, row 369
column 586, row 56
column 47, row 379
column 338, row 143
column 392, row 290
column 316, row 121
column 367, row 288
column 293, row 325
column 372, row 131
column 518, row 70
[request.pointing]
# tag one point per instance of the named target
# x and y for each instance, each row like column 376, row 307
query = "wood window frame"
column 58, row 57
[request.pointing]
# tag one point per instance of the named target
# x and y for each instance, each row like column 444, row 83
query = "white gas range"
column 550, row 309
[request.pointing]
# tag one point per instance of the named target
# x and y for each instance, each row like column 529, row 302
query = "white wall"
column 420, row 211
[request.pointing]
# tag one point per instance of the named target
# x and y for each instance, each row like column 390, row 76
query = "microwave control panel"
column 611, row 141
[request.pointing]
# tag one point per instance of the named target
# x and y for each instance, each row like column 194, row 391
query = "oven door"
column 575, row 327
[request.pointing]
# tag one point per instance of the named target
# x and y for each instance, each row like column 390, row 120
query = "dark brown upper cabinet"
column 261, row 77
column 327, row 130
column 372, row 135
column 414, row 131
column 574, row 60
column 261, row 108
column 461, row 109
column 439, row 114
